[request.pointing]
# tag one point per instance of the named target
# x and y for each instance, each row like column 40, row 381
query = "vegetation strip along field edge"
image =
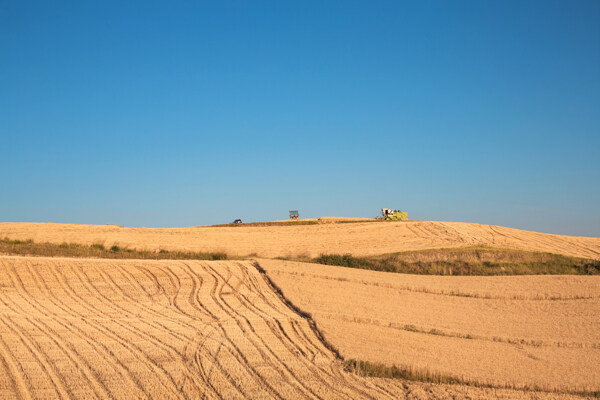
column 98, row 250
column 472, row 261
column 378, row 370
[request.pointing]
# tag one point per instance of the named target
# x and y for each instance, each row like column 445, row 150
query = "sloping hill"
column 359, row 239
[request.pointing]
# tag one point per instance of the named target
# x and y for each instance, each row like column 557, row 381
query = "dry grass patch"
column 98, row 250
column 466, row 261
column 378, row 370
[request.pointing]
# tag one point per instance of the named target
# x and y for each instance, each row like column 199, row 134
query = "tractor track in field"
column 115, row 329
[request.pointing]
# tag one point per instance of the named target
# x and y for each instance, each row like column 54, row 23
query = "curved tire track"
column 162, row 329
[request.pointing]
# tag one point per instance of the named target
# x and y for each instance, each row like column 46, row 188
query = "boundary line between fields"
column 306, row 315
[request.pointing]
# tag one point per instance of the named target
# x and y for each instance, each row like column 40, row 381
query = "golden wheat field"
column 172, row 329
column 157, row 330
column 520, row 331
column 79, row 328
column 359, row 239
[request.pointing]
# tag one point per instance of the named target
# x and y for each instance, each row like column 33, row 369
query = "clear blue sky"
column 186, row 113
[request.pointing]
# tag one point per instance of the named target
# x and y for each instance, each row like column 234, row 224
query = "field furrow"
column 146, row 329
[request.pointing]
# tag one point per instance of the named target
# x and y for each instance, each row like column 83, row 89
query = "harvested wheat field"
column 516, row 331
column 141, row 328
column 291, row 240
column 172, row 329
column 156, row 330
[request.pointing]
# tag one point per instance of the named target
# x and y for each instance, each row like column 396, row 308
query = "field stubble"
column 291, row 240
column 89, row 328
column 513, row 331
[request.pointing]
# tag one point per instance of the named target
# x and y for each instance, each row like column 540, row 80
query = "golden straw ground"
column 83, row 328
column 515, row 331
column 359, row 239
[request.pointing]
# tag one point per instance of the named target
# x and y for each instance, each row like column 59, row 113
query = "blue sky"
column 158, row 114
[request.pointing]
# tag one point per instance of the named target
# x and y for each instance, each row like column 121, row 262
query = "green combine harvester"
column 393, row 215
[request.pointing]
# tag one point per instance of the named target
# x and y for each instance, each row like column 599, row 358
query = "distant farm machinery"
column 389, row 214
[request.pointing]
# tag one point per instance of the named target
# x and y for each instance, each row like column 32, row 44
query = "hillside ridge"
column 357, row 238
